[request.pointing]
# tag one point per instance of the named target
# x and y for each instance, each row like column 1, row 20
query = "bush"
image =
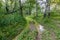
column 11, row 19
column 11, row 25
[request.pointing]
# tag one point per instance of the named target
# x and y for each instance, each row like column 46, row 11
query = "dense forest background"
column 20, row 19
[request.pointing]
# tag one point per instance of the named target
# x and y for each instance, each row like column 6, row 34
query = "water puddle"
column 41, row 28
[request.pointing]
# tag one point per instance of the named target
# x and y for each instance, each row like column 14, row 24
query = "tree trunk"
column 21, row 11
column 7, row 10
column 47, row 9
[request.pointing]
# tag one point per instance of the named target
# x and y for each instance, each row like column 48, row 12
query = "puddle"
column 41, row 28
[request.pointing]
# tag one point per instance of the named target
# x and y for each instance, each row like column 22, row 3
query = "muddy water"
column 40, row 31
column 41, row 28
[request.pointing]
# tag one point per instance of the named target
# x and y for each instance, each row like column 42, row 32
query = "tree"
column 21, row 11
column 47, row 9
column 31, row 4
column 7, row 9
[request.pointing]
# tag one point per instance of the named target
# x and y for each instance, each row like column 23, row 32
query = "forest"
column 29, row 19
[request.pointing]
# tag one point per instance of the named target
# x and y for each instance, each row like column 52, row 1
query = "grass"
column 27, row 34
column 11, row 25
column 50, row 25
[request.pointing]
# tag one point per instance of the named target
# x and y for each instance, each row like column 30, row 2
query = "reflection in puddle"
column 41, row 28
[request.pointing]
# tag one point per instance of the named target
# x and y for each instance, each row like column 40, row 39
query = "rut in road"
column 39, row 30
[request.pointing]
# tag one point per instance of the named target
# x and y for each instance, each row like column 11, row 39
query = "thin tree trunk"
column 47, row 9
column 21, row 11
column 45, row 13
column 7, row 6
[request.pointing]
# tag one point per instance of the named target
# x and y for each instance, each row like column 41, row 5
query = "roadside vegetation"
column 20, row 19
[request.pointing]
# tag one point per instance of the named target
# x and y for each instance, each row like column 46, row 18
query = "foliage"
column 11, row 25
column 27, row 35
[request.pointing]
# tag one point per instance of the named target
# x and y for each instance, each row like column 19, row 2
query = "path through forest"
column 40, row 30
column 32, row 28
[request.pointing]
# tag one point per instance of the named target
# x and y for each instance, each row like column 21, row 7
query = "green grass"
column 11, row 25
column 24, row 34
column 50, row 25
column 27, row 34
